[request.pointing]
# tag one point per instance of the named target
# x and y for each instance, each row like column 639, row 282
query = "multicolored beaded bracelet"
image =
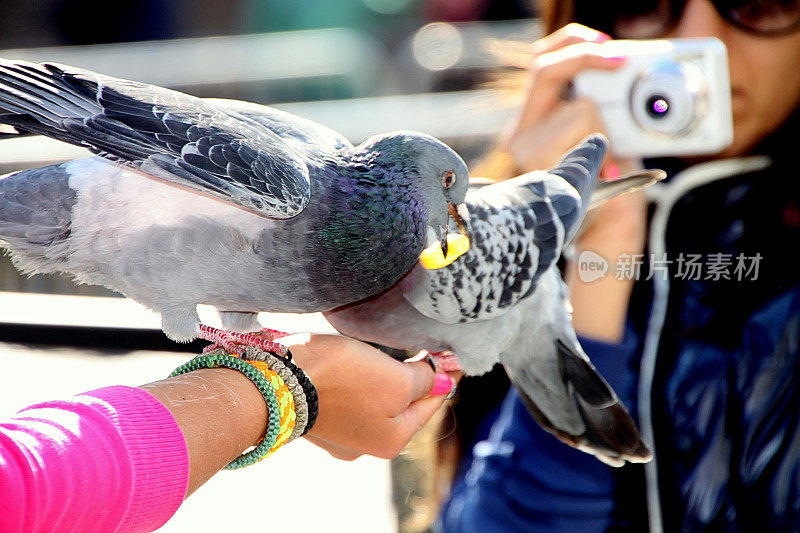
column 280, row 402
column 309, row 398
column 282, row 367
column 285, row 404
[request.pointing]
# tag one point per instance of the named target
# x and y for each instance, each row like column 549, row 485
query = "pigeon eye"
column 448, row 179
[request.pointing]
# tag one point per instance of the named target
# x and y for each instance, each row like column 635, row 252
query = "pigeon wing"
column 181, row 139
column 306, row 136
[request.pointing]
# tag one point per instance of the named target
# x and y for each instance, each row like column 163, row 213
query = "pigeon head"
column 442, row 179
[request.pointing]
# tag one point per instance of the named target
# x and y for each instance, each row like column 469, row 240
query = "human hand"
column 600, row 306
column 369, row 403
column 545, row 128
column 547, row 125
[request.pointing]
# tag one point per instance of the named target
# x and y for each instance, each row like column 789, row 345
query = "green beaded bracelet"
column 264, row 387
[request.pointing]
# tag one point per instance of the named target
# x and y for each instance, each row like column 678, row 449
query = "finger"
column 542, row 146
column 570, row 34
column 610, row 170
column 421, row 379
column 416, row 416
column 550, row 72
column 425, row 355
column 455, row 375
column 560, row 66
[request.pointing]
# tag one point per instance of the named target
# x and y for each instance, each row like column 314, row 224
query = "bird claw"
column 235, row 342
column 446, row 361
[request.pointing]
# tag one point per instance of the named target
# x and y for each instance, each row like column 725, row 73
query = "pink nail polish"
column 611, row 171
column 602, row 37
column 442, row 384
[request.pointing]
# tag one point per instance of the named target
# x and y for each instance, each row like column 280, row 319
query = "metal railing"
column 208, row 61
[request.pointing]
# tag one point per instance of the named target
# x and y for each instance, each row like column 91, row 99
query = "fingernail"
column 430, row 361
column 442, row 384
column 616, row 59
column 452, row 393
column 602, row 37
column 611, row 170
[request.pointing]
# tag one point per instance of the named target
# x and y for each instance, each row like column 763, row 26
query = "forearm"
column 220, row 412
column 140, row 451
column 112, row 459
column 125, row 446
column 616, row 229
column 600, row 308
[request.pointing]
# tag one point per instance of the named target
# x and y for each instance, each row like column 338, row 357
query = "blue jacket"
column 711, row 365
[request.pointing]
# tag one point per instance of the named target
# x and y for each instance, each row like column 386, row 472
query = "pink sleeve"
column 113, row 459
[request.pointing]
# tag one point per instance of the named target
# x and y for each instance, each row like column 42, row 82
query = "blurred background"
column 358, row 66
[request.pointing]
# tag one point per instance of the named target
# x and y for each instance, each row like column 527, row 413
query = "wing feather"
column 193, row 142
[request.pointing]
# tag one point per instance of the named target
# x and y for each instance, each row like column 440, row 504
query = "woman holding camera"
column 709, row 357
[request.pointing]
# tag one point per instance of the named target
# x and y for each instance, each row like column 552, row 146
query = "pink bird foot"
column 235, row 342
column 446, row 361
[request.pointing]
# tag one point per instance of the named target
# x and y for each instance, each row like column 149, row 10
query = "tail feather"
column 578, row 371
column 612, row 428
column 36, row 205
column 29, row 125
column 609, row 427
column 562, row 389
column 605, row 430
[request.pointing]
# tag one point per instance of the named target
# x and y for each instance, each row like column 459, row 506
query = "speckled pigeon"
column 504, row 301
column 226, row 203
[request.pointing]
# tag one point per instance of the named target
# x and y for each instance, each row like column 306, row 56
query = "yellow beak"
column 432, row 257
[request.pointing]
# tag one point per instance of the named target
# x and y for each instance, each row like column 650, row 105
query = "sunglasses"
column 648, row 19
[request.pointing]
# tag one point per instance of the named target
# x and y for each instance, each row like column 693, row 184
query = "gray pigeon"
column 226, row 203
column 504, row 301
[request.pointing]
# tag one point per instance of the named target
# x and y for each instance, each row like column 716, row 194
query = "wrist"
column 242, row 400
column 257, row 366
column 217, row 390
column 220, row 412
column 617, row 227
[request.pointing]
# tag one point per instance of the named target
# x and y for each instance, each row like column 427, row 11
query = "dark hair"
column 555, row 13
column 597, row 15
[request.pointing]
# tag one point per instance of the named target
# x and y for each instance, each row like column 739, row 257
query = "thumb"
column 425, row 383
column 417, row 415
column 429, row 393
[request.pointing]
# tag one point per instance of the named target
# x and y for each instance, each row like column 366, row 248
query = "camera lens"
column 657, row 106
column 669, row 99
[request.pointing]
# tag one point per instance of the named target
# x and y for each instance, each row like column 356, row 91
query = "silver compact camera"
column 672, row 97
